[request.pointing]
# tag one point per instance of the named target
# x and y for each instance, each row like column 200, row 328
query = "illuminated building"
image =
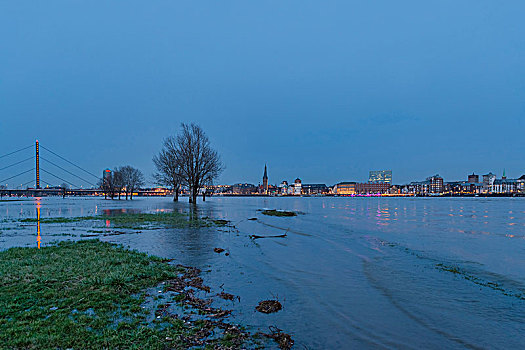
column 373, row 188
column 436, row 184
column 314, row 189
column 488, row 182
column 380, row 176
column 297, row 187
column 345, row 188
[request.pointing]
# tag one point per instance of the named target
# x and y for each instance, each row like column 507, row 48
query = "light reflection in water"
column 38, row 238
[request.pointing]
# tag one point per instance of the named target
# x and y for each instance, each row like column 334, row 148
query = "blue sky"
column 324, row 91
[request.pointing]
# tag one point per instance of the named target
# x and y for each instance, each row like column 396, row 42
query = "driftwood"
column 277, row 236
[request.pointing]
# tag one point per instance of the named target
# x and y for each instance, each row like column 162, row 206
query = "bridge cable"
column 9, row 178
column 47, row 149
column 47, row 172
column 17, row 163
column 67, row 171
column 27, row 183
column 22, row 149
column 47, row 183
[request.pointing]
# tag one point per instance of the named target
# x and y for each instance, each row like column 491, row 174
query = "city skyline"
column 374, row 176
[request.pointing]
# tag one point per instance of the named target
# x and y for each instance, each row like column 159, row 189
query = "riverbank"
column 92, row 295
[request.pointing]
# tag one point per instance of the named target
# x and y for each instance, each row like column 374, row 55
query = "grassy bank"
column 91, row 295
column 137, row 220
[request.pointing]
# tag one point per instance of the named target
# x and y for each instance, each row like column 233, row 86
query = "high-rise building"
column 265, row 180
column 436, row 184
column 488, row 181
column 380, row 176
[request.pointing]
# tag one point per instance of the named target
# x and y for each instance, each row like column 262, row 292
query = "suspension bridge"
column 44, row 167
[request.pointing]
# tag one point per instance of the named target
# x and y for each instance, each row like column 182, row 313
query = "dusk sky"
column 324, row 91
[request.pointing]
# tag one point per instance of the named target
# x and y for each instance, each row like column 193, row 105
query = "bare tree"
column 168, row 166
column 133, row 179
column 107, row 185
column 200, row 164
column 118, row 181
column 64, row 189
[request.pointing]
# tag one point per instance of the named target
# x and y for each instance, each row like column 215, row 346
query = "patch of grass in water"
column 275, row 212
column 135, row 220
column 82, row 295
column 61, row 220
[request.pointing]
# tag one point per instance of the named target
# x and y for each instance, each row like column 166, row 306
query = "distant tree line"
column 187, row 160
column 123, row 179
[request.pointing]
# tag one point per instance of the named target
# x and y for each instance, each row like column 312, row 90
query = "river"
column 369, row 272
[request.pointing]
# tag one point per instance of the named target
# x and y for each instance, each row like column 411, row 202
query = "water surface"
column 352, row 272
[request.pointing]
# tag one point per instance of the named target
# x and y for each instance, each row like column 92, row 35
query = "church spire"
column 504, row 176
column 265, row 180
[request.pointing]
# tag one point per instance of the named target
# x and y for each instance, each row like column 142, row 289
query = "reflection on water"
column 351, row 273
column 38, row 238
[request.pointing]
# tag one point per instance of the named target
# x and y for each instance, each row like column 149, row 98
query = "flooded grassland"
column 338, row 272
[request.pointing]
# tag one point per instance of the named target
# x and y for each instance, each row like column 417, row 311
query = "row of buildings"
column 380, row 183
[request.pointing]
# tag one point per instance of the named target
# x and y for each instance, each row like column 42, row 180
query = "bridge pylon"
column 37, row 165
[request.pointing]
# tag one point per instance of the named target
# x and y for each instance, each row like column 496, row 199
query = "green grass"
column 82, row 295
column 274, row 212
column 136, row 220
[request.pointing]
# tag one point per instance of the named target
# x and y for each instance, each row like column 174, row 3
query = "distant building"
column 373, row 188
column 312, row 189
column 380, row 176
column 504, row 185
column 283, row 188
column 244, row 189
column 436, row 184
column 432, row 185
column 488, row 182
column 473, row 178
column 345, row 188
column 297, row 187
column 521, row 184
column 265, row 181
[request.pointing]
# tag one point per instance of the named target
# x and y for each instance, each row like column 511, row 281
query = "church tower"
column 265, row 180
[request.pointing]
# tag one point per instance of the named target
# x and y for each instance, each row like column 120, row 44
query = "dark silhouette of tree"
column 107, row 185
column 200, row 164
column 118, row 181
column 133, row 179
column 188, row 159
column 168, row 166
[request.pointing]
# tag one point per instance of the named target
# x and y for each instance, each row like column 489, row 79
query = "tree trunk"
column 131, row 194
column 176, row 197
column 204, row 196
column 126, row 194
column 194, row 196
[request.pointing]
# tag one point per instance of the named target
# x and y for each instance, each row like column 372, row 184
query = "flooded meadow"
column 348, row 272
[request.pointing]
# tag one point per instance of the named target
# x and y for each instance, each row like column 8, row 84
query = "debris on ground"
column 284, row 340
column 221, row 222
column 252, row 219
column 227, row 296
column 276, row 236
column 275, row 212
column 269, row 306
column 218, row 250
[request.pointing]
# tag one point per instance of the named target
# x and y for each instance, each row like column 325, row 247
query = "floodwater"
column 351, row 273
